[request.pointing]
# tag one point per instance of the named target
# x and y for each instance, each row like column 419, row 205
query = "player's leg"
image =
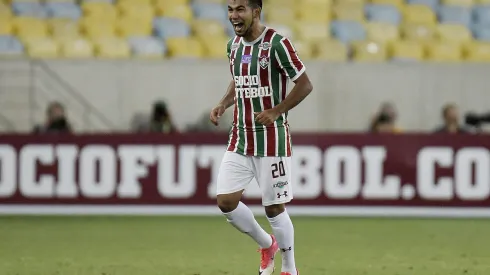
column 234, row 176
column 275, row 183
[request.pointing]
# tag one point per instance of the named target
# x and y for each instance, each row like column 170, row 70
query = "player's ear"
column 257, row 12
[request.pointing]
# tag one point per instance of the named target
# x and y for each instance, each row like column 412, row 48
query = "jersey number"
column 278, row 168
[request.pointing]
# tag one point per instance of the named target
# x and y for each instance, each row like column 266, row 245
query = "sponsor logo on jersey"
column 232, row 61
column 265, row 46
column 246, row 59
column 264, row 62
column 234, row 46
column 280, row 184
column 248, row 86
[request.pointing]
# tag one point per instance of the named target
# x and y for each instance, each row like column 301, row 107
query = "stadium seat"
column 419, row 14
column 6, row 26
column 98, row 10
column 463, row 3
column 418, row 32
column 147, row 47
column 351, row 2
column 112, row 48
column 349, row 13
column 63, row 10
column 27, row 28
column 29, row 9
column 210, row 11
column 126, row 27
column 477, row 52
column 185, row 48
column 61, row 1
column 171, row 27
column 314, row 13
column 397, row 3
column 183, row 12
column 208, row 28
column 42, row 48
column 140, row 12
column 281, row 15
column 455, row 15
column 482, row 14
column 98, row 28
column 382, row 32
column 482, row 32
column 369, row 51
column 76, row 48
column 138, row 2
column 10, row 46
column 5, row 11
column 453, row 33
column 213, row 48
column 63, row 28
column 311, row 32
column 170, row 3
column 348, row 31
column 433, row 4
column 444, row 52
column 383, row 13
column 332, row 51
column 407, row 51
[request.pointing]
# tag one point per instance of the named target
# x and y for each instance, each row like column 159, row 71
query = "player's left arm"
column 290, row 64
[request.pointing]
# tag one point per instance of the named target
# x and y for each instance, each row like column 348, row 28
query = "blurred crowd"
column 159, row 120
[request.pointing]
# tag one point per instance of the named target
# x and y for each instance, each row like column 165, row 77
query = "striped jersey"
column 261, row 70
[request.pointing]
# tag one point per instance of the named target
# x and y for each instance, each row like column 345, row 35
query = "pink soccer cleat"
column 267, row 258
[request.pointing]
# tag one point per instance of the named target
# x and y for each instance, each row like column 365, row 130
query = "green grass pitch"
column 210, row 246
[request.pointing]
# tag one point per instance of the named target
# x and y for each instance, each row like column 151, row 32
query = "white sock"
column 283, row 229
column 243, row 219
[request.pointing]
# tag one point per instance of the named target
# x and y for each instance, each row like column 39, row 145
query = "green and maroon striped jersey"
column 261, row 70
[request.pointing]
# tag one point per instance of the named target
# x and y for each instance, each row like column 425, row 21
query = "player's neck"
column 255, row 33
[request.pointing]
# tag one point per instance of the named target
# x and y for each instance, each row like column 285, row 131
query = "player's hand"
column 267, row 117
column 216, row 113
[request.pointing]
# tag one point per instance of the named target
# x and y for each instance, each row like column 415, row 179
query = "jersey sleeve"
column 288, row 59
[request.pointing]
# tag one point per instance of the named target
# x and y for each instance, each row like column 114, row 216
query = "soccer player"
column 261, row 63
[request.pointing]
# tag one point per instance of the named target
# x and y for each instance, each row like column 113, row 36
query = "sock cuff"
column 278, row 217
column 237, row 209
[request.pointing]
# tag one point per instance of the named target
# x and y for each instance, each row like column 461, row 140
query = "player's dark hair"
column 255, row 3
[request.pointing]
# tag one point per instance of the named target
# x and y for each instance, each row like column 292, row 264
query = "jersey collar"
column 256, row 40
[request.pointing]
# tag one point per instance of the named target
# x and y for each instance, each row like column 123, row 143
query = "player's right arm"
column 226, row 102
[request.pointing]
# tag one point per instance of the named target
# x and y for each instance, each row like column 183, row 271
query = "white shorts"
column 272, row 173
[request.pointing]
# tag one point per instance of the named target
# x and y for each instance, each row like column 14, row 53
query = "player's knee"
column 273, row 210
column 227, row 203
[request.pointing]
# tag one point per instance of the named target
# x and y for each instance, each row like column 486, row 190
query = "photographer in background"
column 56, row 121
column 385, row 119
column 450, row 116
column 161, row 121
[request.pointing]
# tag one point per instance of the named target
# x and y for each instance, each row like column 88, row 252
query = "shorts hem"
column 226, row 192
column 276, row 202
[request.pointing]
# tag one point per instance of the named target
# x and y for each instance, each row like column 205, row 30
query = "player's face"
column 241, row 16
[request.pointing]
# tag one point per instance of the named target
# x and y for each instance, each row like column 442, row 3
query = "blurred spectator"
column 385, row 119
column 56, row 121
column 161, row 120
column 450, row 116
column 383, row 124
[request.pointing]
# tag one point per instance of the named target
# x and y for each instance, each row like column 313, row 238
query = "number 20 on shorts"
column 278, row 168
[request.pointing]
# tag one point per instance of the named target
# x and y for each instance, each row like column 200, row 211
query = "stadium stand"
column 328, row 30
